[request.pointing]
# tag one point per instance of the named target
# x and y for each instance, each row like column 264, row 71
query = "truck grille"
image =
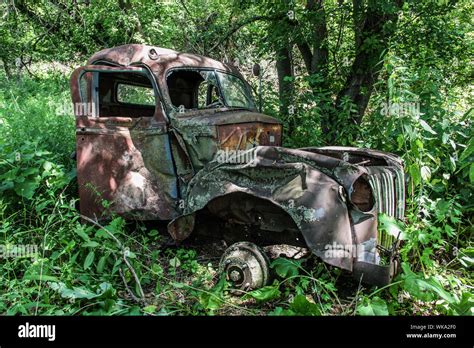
column 388, row 186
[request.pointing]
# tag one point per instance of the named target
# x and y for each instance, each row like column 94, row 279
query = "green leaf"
column 6, row 185
column 178, row 285
column 157, row 269
column 280, row 311
column 427, row 127
column 101, row 263
column 425, row 173
column 175, row 262
column 90, row 244
column 29, row 171
column 301, row 306
column 423, row 288
column 42, row 277
column 212, row 299
column 79, row 230
column 130, row 254
column 373, row 306
column 285, row 267
column 89, row 259
column 465, row 306
column 149, row 309
column 267, row 293
column 390, row 225
column 105, row 290
column 414, row 172
column 468, row 151
column 47, row 166
column 471, row 173
column 153, row 233
column 26, row 189
column 466, row 257
column 102, row 234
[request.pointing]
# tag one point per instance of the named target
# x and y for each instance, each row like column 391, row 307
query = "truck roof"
column 158, row 59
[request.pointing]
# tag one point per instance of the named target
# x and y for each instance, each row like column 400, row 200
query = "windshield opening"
column 205, row 89
column 235, row 91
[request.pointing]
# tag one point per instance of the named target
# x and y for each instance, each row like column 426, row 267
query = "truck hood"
column 224, row 116
column 358, row 156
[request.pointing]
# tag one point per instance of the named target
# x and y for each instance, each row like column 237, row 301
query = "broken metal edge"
column 373, row 274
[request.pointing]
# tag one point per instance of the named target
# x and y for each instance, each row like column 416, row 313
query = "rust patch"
column 243, row 136
column 121, row 166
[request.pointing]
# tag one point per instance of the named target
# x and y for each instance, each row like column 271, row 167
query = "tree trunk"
column 378, row 27
column 284, row 68
column 371, row 21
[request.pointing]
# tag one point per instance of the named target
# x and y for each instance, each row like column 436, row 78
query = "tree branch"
column 240, row 25
column 320, row 38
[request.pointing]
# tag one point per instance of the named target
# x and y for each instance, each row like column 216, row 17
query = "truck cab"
column 147, row 119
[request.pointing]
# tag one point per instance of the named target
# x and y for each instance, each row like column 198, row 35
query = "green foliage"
column 433, row 289
column 213, row 299
column 372, row 306
column 285, row 267
column 301, row 306
column 27, row 168
column 266, row 293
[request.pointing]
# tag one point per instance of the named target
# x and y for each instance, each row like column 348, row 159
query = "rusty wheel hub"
column 245, row 266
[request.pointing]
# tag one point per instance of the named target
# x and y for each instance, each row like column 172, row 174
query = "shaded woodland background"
column 390, row 75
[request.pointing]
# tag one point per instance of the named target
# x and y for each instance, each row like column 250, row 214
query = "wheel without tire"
column 245, row 266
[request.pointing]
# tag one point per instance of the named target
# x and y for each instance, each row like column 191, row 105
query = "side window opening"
column 118, row 94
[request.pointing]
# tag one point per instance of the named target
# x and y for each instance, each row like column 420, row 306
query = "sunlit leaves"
column 427, row 127
column 390, row 225
column 372, row 306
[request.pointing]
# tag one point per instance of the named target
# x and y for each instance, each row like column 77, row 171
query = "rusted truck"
column 177, row 137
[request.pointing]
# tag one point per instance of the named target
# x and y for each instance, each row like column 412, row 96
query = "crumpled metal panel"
column 205, row 131
column 371, row 273
column 385, row 175
column 221, row 116
column 307, row 186
column 359, row 156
